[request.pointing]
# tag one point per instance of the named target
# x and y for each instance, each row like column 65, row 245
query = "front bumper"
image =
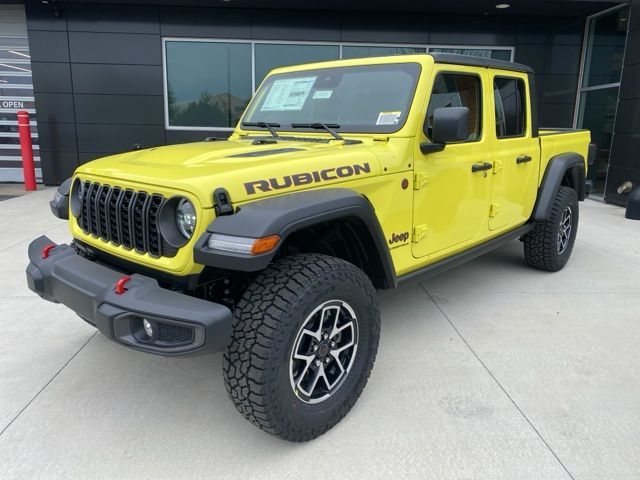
column 182, row 324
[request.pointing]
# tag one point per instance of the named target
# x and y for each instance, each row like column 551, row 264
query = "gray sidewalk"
column 491, row 370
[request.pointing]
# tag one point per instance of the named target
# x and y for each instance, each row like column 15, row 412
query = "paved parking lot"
column 491, row 370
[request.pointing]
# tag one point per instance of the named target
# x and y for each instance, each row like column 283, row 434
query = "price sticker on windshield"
column 388, row 118
column 288, row 94
column 322, row 94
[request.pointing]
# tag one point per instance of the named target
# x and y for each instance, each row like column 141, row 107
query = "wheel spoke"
column 309, row 360
column 317, row 335
column 336, row 330
column 314, row 382
column 338, row 351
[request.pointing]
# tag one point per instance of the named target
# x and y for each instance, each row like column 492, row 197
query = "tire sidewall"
column 340, row 288
column 569, row 199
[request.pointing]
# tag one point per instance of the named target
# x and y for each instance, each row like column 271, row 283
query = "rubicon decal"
column 306, row 178
column 398, row 238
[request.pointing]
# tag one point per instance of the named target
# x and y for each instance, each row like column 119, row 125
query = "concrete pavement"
column 491, row 370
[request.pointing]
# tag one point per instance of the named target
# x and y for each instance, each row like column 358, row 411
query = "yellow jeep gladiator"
column 341, row 178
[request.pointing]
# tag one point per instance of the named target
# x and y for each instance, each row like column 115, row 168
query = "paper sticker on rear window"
column 322, row 94
column 288, row 94
column 388, row 118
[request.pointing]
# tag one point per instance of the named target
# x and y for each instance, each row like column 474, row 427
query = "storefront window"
column 208, row 83
column 602, row 66
column 360, row 51
column 605, row 48
column 496, row 54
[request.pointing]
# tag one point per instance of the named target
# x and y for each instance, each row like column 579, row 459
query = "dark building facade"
column 108, row 76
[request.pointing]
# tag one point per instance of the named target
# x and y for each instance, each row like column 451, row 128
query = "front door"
column 516, row 154
column 452, row 187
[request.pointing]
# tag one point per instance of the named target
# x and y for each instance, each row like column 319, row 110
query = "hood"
column 245, row 170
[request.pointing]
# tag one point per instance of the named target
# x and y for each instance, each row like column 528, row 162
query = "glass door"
column 602, row 59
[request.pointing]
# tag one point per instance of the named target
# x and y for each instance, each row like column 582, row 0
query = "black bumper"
column 182, row 324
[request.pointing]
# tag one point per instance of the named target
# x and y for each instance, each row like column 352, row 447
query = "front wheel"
column 549, row 245
column 305, row 338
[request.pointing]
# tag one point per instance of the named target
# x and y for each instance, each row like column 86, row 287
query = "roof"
column 480, row 62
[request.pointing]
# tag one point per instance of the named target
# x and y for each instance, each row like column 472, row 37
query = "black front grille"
column 123, row 217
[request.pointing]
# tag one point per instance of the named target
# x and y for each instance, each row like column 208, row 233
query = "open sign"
column 12, row 104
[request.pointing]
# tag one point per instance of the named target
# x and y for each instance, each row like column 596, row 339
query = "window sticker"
column 288, row 94
column 322, row 94
column 388, row 118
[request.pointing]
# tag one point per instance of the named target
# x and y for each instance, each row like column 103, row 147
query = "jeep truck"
column 341, row 178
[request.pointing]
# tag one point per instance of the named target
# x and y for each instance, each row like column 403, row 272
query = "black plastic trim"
column 87, row 288
column 571, row 164
column 463, row 257
column 60, row 203
column 179, row 282
column 472, row 61
column 286, row 214
column 533, row 100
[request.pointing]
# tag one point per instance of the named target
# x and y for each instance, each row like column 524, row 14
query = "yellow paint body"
column 445, row 209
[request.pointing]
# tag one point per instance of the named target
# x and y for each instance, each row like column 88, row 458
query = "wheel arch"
column 566, row 169
column 337, row 221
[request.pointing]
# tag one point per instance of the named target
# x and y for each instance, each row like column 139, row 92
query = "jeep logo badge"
column 398, row 238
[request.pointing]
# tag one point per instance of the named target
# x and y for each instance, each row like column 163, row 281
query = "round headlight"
column 75, row 200
column 186, row 218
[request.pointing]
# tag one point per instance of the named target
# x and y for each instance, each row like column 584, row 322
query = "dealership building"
column 102, row 77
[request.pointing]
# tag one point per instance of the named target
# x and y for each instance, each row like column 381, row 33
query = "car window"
column 509, row 94
column 457, row 90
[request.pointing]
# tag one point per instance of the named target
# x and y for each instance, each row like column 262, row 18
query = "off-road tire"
column 267, row 321
column 541, row 249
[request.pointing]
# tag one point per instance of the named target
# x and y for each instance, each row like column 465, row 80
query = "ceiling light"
column 502, row 5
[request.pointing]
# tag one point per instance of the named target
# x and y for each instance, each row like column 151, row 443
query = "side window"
column 509, row 94
column 457, row 90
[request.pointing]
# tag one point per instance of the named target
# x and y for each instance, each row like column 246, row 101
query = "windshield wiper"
column 268, row 126
column 329, row 127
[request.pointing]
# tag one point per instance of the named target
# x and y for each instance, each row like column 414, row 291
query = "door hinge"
column 420, row 180
column 419, row 232
column 494, row 210
column 497, row 166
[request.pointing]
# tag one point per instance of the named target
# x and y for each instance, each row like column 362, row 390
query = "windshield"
column 358, row 99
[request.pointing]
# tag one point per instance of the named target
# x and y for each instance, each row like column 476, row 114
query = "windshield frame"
column 251, row 108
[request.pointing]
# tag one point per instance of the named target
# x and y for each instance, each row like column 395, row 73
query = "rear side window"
column 457, row 90
column 510, row 102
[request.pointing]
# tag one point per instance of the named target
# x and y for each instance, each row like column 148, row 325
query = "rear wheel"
column 549, row 245
column 304, row 342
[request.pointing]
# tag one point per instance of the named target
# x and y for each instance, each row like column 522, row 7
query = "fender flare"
column 286, row 214
column 571, row 164
column 60, row 203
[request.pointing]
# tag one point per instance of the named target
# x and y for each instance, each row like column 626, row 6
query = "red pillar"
column 26, row 147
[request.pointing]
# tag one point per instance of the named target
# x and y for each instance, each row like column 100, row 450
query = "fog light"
column 148, row 328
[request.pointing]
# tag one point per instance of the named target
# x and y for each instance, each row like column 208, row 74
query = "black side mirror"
column 450, row 124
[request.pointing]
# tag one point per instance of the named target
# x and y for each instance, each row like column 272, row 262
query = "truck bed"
column 554, row 141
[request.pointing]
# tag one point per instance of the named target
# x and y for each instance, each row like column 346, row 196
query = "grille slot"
column 175, row 334
column 123, row 217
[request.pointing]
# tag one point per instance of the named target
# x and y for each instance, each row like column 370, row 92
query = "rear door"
column 516, row 153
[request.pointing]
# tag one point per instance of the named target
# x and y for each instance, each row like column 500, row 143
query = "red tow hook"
column 120, row 285
column 47, row 249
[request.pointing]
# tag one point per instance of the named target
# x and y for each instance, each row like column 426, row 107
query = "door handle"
column 523, row 159
column 478, row 167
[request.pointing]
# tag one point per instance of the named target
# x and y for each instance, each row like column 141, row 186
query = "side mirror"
column 450, row 124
